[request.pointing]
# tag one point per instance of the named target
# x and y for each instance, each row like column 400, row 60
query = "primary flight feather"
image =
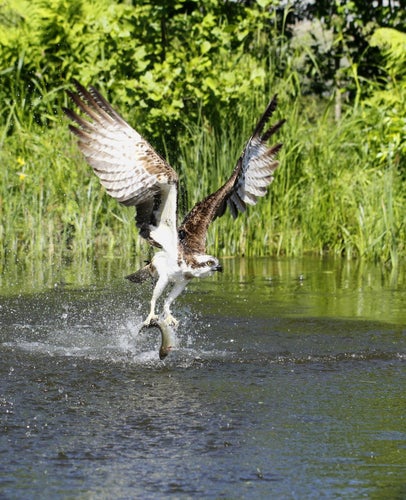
column 135, row 174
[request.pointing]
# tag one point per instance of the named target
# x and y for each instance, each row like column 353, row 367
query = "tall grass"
column 329, row 193
column 51, row 204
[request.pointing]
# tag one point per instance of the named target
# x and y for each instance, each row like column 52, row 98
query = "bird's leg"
column 177, row 289
column 159, row 288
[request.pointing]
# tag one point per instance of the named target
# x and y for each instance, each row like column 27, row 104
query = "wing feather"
column 128, row 167
column 249, row 181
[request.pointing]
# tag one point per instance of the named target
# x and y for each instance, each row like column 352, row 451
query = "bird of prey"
column 134, row 174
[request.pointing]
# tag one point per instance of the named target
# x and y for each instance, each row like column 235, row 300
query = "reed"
column 51, row 204
column 330, row 194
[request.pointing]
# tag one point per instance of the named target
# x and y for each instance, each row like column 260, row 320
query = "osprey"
column 134, row 174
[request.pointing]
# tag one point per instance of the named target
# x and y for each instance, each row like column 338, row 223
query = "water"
column 288, row 381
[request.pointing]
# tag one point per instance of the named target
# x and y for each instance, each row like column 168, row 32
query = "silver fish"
column 168, row 336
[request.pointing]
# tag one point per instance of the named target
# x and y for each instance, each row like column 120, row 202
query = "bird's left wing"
column 127, row 166
column 249, row 180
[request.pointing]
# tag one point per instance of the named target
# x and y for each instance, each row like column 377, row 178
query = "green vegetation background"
column 193, row 77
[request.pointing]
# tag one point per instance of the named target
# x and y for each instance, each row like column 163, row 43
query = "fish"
column 168, row 337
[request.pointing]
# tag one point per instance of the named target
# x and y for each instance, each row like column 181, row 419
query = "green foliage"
column 171, row 59
column 339, row 40
column 393, row 43
column 194, row 79
column 389, row 100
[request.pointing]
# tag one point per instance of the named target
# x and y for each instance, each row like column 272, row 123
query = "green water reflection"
column 319, row 287
column 313, row 287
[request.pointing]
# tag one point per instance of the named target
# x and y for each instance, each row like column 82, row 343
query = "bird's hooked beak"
column 219, row 268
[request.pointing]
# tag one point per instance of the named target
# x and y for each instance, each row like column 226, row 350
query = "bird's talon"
column 151, row 320
column 171, row 321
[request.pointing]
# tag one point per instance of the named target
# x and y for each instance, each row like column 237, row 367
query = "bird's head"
column 205, row 265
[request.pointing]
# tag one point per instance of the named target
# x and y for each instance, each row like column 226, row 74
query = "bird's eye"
column 210, row 263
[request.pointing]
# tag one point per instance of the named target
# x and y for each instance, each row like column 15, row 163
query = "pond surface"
column 288, row 381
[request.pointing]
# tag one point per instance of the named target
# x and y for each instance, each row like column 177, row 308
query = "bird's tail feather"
column 143, row 274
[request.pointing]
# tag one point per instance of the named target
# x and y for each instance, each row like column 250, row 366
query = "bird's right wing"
column 127, row 166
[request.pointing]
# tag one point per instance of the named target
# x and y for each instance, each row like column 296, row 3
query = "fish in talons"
column 167, row 336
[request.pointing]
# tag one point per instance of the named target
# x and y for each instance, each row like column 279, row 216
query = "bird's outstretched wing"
column 249, row 180
column 127, row 166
